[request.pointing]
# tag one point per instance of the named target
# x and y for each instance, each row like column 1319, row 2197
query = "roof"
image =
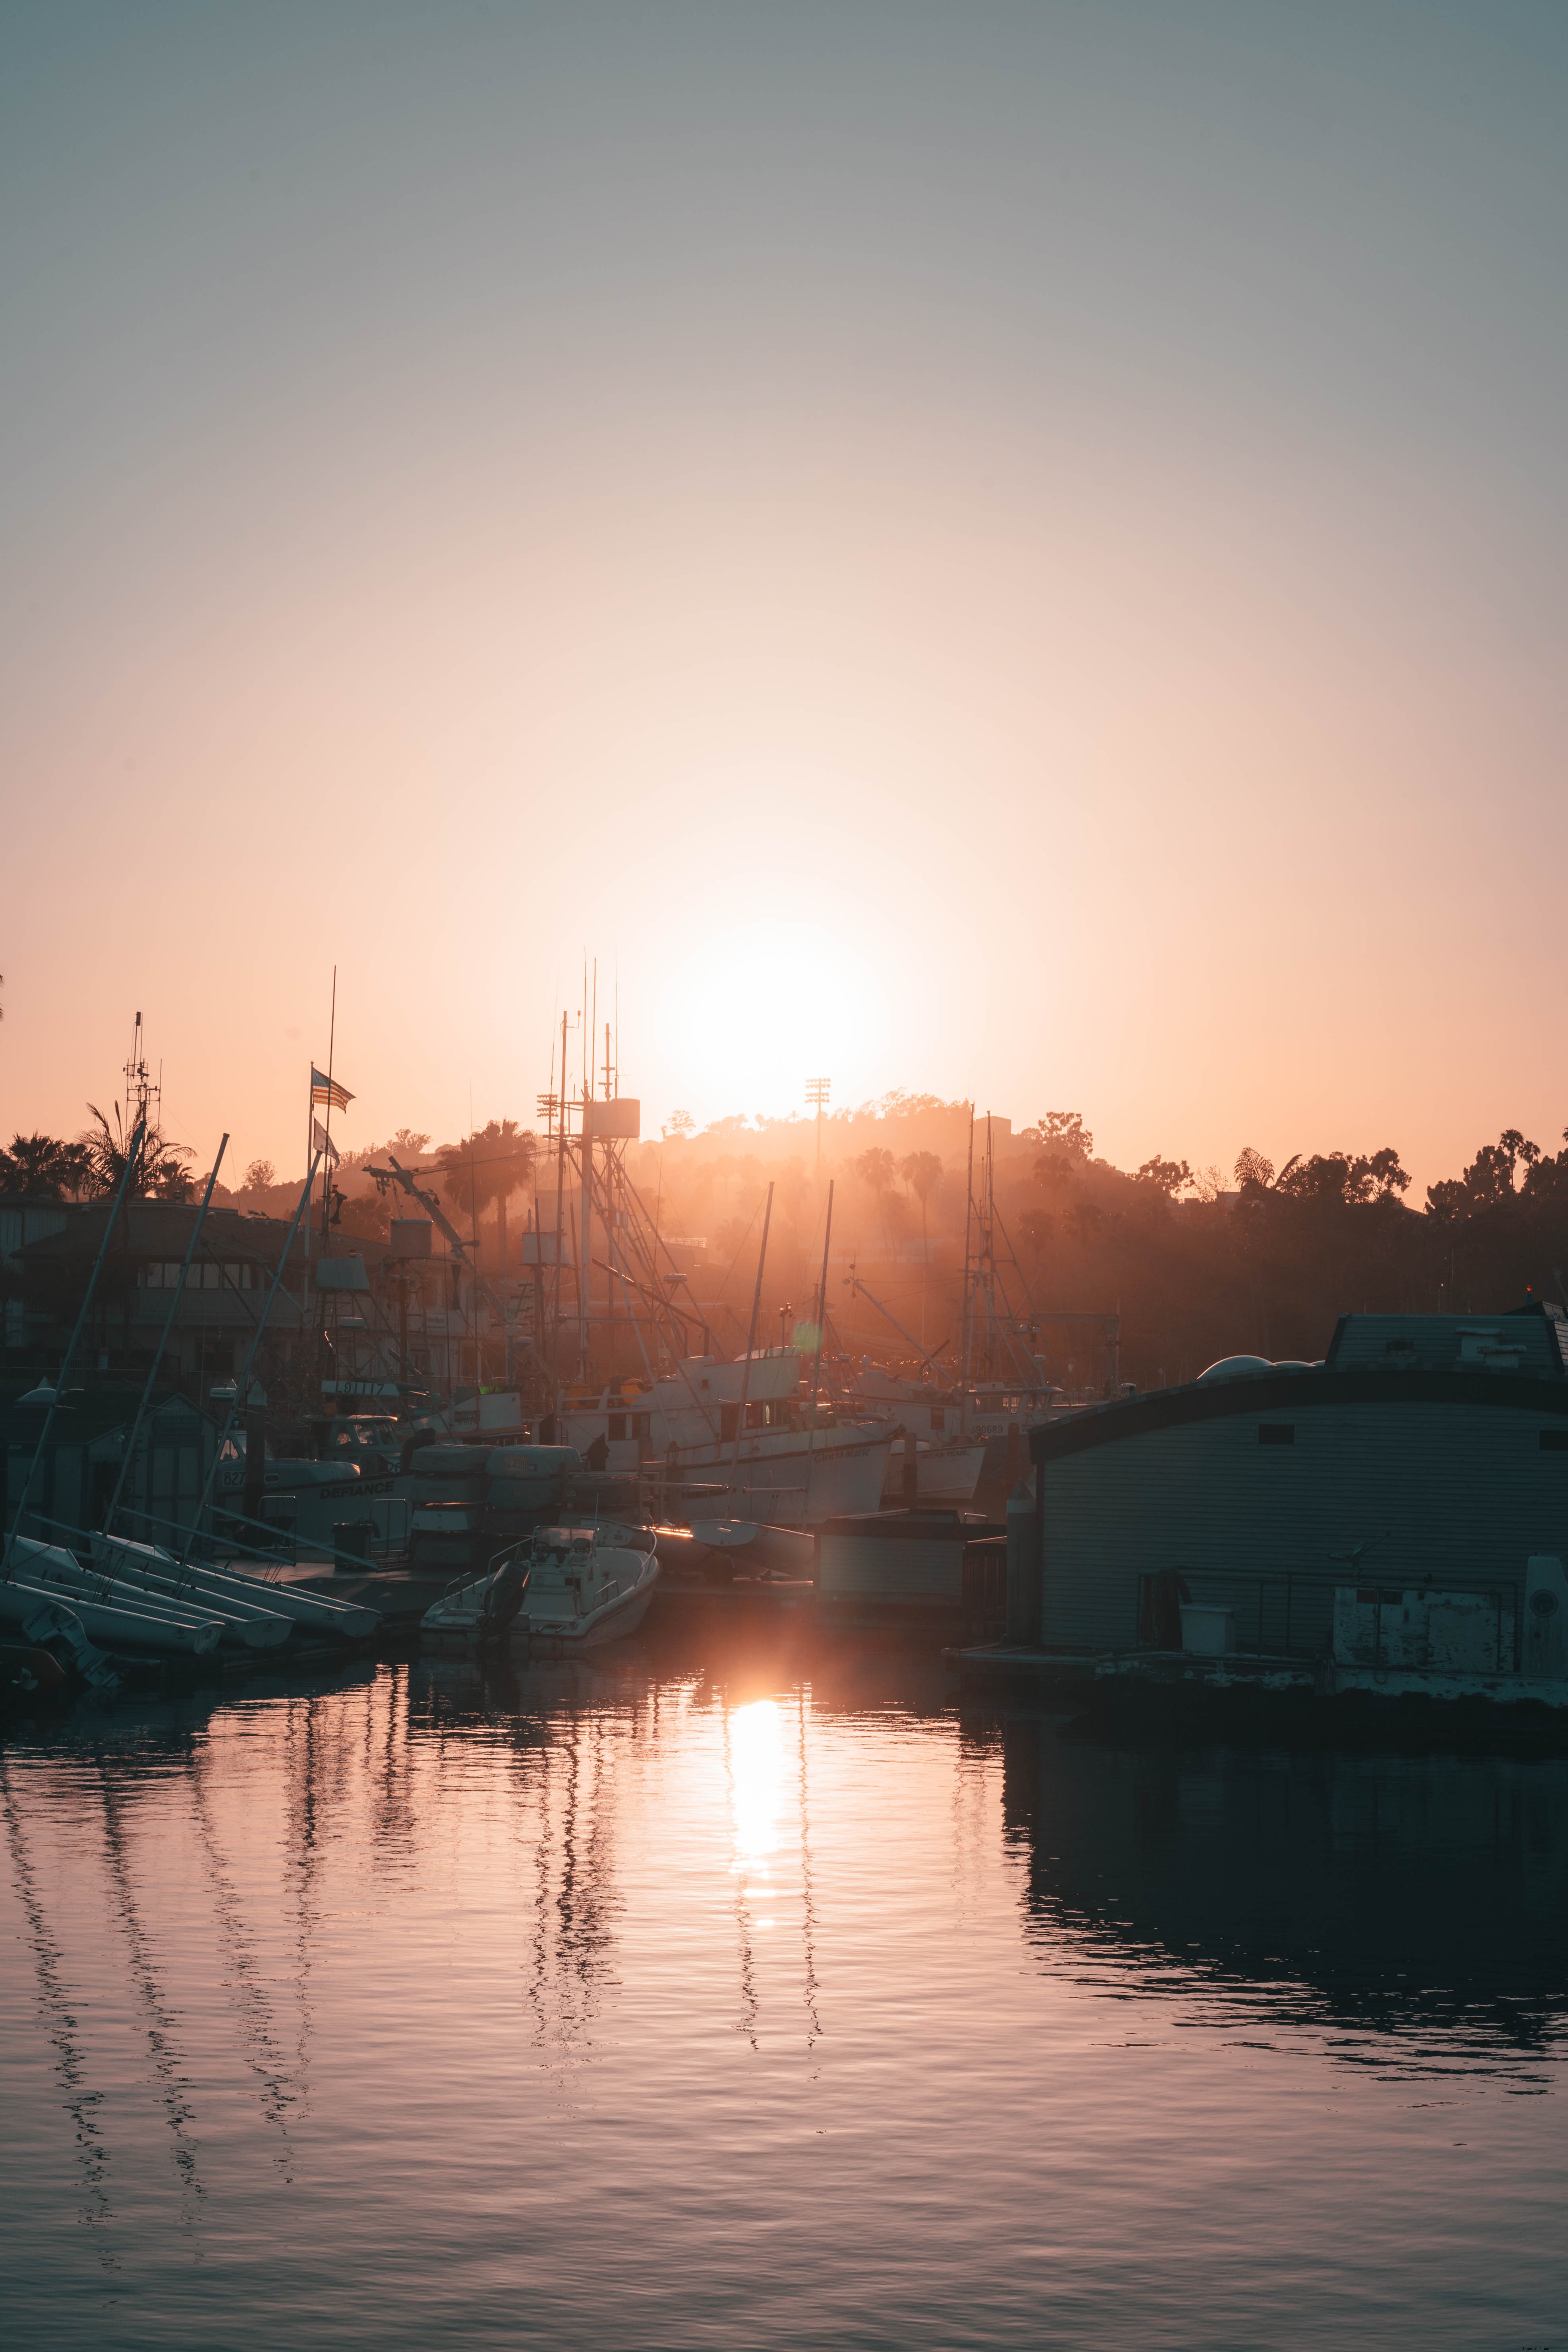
column 1531, row 1339
column 162, row 1229
column 1260, row 1394
column 87, row 1415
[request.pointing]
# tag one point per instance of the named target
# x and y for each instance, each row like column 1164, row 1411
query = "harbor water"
column 737, row 1993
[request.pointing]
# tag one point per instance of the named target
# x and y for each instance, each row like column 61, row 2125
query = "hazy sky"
column 1009, row 550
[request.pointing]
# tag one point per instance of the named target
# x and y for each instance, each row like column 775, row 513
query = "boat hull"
column 945, row 1475
column 794, row 1489
column 557, row 1638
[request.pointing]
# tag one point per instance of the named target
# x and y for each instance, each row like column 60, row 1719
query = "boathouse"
column 1424, row 1450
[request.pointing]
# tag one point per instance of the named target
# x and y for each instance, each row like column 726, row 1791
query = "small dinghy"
column 474, row 1611
column 744, row 1545
column 36, row 1573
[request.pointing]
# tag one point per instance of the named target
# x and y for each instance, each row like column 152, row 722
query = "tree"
column 259, row 1177
column 1251, row 1168
column 409, row 1139
column 43, row 1166
column 158, row 1169
column 922, row 1172
column 679, row 1123
column 495, row 1162
column 1064, row 1132
column 1489, row 1179
column 1167, row 1176
column 875, row 1169
column 1343, row 1176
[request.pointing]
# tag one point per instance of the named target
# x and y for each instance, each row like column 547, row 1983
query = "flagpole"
column 327, row 1153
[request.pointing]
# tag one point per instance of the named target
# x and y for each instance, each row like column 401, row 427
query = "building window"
column 617, row 1425
column 1554, row 1441
column 1276, row 1433
column 642, row 1427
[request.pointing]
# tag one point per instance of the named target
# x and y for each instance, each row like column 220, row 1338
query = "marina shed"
column 1424, row 1451
column 80, row 1465
column 922, row 1561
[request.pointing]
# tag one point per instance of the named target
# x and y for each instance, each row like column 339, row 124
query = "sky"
column 1013, row 551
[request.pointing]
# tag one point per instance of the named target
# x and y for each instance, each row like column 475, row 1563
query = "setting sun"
column 759, row 1008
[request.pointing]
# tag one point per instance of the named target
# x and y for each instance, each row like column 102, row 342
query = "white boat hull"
column 793, row 1489
column 112, row 1629
column 945, row 1473
column 557, row 1637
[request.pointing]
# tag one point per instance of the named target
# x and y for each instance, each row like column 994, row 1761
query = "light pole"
column 817, row 1092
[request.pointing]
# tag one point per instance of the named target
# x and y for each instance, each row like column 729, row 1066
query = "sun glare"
column 760, row 1007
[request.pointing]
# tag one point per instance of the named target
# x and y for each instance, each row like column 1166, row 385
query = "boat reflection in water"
column 1411, row 1910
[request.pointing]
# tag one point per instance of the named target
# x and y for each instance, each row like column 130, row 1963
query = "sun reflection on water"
column 756, row 1784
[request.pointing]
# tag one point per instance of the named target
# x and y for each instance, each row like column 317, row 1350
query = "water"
column 766, row 1999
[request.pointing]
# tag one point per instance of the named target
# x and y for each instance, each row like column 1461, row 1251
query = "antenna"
column 139, row 1091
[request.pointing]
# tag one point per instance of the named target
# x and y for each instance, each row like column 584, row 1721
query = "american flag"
column 327, row 1090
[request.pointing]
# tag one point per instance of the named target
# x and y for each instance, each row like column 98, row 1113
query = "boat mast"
column 750, row 1343
column 132, row 1155
column 968, row 1318
column 128, row 1457
column 817, row 1359
column 242, row 1384
column 585, row 1149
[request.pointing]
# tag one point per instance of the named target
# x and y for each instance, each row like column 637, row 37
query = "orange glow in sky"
column 1015, row 556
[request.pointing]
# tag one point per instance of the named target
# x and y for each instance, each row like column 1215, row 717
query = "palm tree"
column 44, row 1166
column 875, row 1169
column 157, row 1166
column 922, row 1172
column 496, row 1161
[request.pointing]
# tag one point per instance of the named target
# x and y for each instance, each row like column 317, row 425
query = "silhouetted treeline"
column 1198, row 1266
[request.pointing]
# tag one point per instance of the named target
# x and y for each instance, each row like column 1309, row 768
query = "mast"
column 586, row 1232
column 327, row 1152
column 130, row 1453
column 968, row 1316
column 750, row 1343
column 242, row 1384
column 816, row 1359
column 131, row 1156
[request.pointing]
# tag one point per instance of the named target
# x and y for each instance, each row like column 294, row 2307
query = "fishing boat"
column 741, row 1428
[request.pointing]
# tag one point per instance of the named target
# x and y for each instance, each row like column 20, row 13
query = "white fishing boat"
column 588, row 1586
column 777, row 1466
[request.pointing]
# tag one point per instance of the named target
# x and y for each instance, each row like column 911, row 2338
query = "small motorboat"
column 588, row 1586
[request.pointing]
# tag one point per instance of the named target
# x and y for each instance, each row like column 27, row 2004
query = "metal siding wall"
column 871, row 1565
column 1462, row 1491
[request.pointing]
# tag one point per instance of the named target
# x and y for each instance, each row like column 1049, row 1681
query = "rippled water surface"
column 767, row 1998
